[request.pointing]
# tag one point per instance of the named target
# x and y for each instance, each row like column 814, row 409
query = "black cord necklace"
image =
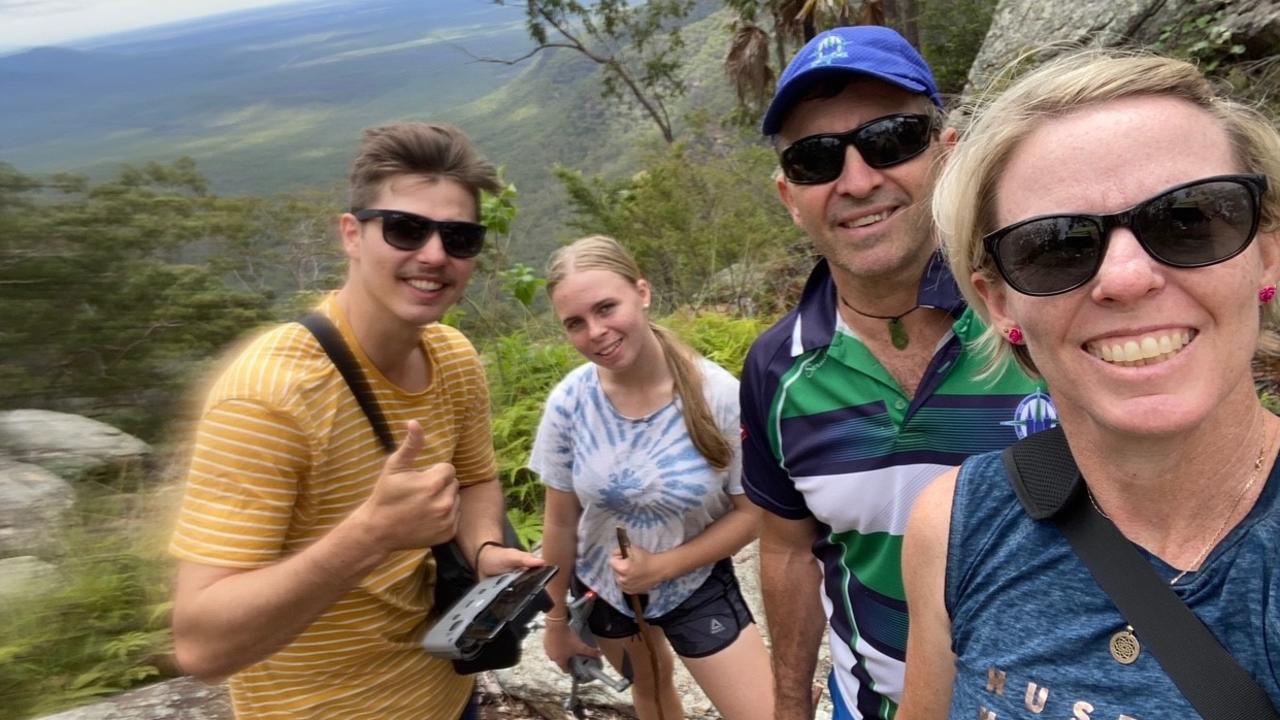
column 897, row 334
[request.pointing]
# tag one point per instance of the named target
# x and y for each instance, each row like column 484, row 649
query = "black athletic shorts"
column 707, row 622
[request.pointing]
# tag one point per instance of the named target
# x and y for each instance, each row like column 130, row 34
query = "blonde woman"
column 1114, row 219
column 644, row 437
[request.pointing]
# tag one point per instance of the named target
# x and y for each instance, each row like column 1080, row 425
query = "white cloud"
column 32, row 23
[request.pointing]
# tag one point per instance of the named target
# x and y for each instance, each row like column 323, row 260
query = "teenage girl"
column 645, row 437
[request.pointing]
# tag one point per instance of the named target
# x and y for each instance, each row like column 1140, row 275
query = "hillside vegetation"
column 164, row 193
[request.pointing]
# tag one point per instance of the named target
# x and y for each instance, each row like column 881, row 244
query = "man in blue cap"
column 865, row 392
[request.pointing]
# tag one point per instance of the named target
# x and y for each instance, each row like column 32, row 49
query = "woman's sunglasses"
column 883, row 142
column 1195, row 224
column 407, row 231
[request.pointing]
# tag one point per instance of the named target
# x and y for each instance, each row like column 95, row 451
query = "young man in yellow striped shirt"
column 304, row 570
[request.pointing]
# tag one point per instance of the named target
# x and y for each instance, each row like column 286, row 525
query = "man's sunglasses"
column 883, row 142
column 1195, row 224
column 407, row 231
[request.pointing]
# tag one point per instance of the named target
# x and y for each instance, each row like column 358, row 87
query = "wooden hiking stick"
column 624, row 544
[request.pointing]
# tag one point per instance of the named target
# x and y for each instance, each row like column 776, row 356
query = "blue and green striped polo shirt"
column 829, row 434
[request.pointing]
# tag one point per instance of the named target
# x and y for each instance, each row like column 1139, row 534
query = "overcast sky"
column 30, row 23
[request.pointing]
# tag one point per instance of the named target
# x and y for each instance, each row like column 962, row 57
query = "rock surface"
column 1020, row 26
column 26, row 576
column 32, row 500
column 178, row 699
column 534, row 690
column 67, row 445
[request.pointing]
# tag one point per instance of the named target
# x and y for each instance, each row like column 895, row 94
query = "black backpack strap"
column 1048, row 483
column 336, row 348
column 1042, row 472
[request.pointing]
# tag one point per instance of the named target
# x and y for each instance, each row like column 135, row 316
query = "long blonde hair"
column 598, row 252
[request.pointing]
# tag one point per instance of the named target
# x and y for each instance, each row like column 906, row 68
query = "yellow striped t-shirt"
column 282, row 454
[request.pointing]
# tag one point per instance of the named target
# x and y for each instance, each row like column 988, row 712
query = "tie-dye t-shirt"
column 643, row 474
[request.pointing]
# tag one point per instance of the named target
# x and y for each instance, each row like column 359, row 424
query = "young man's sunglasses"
column 407, row 231
column 883, row 142
column 1195, row 224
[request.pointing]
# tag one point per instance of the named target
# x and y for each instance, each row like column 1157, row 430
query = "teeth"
column 1148, row 350
column 610, row 348
column 425, row 285
column 869, row 219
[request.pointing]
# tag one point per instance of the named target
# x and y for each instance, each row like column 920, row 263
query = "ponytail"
column 698, row 419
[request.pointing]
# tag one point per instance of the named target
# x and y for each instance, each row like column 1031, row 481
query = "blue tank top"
column 1030, row 627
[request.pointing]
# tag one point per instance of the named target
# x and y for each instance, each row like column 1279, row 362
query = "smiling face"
column 1141, row 348
column 603, row 314
column 868, row 223
column 403, row 287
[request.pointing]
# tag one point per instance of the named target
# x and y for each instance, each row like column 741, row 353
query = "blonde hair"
column 598, row 252
column 964, row 202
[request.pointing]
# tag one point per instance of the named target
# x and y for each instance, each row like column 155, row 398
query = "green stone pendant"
column 898, row 334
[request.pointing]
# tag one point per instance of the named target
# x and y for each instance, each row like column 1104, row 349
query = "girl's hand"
column 639, row 571
column 561, row 644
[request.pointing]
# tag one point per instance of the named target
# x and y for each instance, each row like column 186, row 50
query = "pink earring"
column 1015, row 335
column 1266, row 293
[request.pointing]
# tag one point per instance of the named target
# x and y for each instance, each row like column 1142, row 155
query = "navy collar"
column 816, row 315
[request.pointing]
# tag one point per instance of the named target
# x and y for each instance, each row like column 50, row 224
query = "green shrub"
column 723, row 339
column 104, row 629
column 951, row 33
column 1271, row 401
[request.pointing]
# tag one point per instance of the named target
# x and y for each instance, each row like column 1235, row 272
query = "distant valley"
column 273, row 99
column 264, row 100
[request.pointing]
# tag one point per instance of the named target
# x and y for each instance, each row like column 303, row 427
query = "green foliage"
column 1271, row 401
column 282, row 247
column 522, row 372
column 723, row 339
column 636, row 44
column 702, row 221
column 951, row 33
column 497, row 211
column 101, row 298
column 104, row 629
column 1203, row 39
column 520, row 281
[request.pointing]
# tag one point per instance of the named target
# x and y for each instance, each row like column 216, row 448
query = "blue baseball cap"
column 871, row 50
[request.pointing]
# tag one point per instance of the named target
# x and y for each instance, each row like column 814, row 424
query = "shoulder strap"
column 1048, row 483
column 336, row 348
column 1042, row 472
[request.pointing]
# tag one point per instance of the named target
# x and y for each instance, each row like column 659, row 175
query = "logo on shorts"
column 1035, row 413
column 717, row 627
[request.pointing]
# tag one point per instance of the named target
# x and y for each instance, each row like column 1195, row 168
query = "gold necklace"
column 1124, row 645
column 1253, row 478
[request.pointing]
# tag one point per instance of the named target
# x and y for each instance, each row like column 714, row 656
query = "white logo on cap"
column 830, row 49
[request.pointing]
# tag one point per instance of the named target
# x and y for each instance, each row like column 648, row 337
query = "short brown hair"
column 418, row 148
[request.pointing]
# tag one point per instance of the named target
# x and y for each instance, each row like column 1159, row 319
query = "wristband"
column 475, row 565
column 552, row 618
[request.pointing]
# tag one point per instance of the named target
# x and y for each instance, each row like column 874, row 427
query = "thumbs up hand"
column 411, row 508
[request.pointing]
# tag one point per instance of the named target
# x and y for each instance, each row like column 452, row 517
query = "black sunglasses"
column 407, row 231
column 1203, row 222
column 883, row 142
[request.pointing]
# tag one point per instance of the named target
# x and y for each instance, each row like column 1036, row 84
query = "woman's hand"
column 561, row 644
column 639, row 571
